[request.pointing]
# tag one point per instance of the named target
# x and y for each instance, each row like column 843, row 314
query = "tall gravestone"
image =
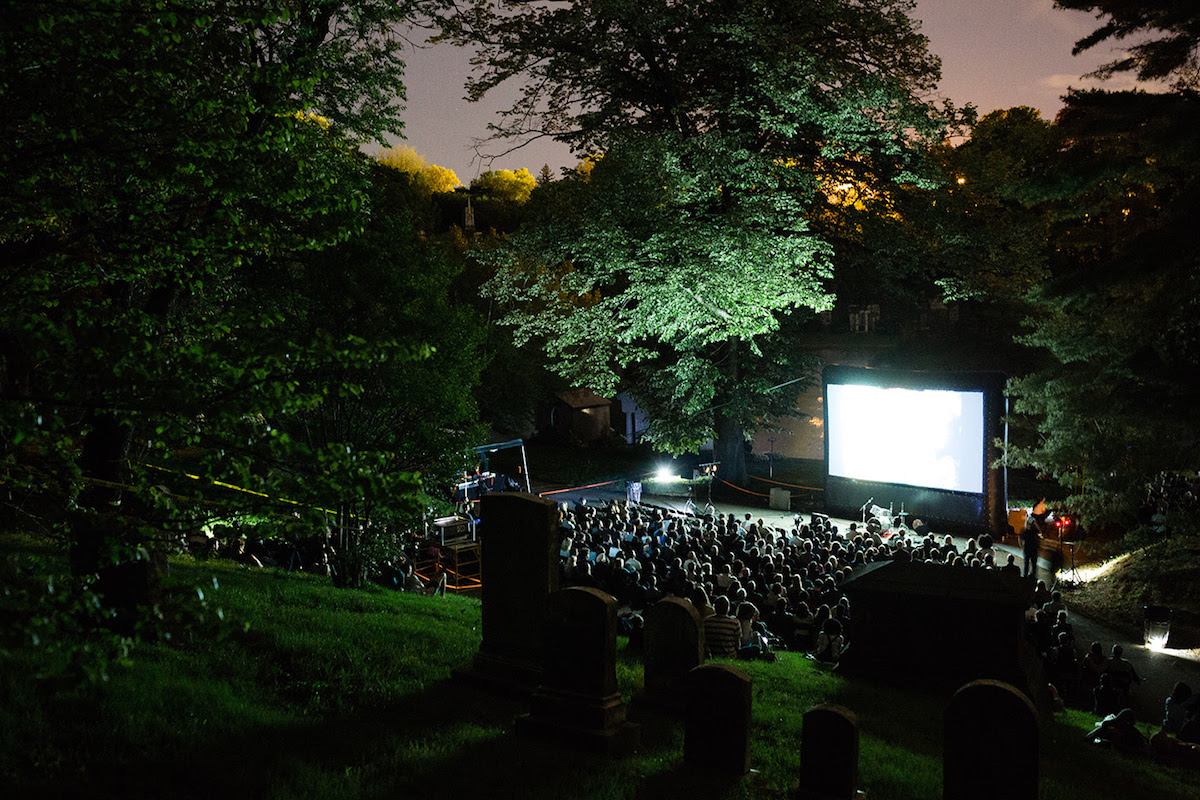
column 520, row 569
column 577, row 700
column 985, row 717
column 716, row 736
column 828, row 754
column 673, row 645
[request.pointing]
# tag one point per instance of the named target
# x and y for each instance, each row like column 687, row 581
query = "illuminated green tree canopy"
column 724, row 128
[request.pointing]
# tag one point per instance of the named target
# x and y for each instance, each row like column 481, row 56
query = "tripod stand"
column 1071, row 574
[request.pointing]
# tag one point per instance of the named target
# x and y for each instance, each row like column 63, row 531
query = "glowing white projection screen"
column 919, row 437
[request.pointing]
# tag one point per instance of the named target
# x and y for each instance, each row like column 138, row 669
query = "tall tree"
column 1167, row 33
column 158, row 154
column 1118, row 403
column 408, row 423
column 722, row 125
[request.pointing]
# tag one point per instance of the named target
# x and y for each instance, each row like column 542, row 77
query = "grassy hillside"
column 1159, row 574
column 309, row 691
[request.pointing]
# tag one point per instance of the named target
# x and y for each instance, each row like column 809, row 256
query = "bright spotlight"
column 665, row 475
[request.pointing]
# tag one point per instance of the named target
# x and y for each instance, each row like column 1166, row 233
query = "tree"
column 691, row 246
column 408, row 423
column 158, row 158
column 434, row 178
column 1117, row 404
column 1169, row 32
column 505, row 185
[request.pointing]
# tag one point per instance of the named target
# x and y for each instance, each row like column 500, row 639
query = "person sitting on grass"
column 830, row 643
column 1118, row 730
column 1122, row 673
column 1176, row 710
column 1055, row 605
column 1189, row 731
column 1091, row 667
column 1061, row 626
column 1105, row 697
column 1065, row 666
column 721, row 631
column 752, row 641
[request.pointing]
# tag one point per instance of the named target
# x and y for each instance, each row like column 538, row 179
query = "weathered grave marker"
column 673, row 646
column 577, row 700
column 520, row 569
column 984, row 717
column 717, row 728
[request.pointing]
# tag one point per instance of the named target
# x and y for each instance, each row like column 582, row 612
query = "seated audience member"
column 1105, row 697
column 1065, row 668
column 699, row 598
column 1010, row 566
column 1174, row 752
column 1091, row 667
column 1175, row 710
column 1189, row 731
column 752, row 642
column 1041, row 595
column 802, row 627
column 1039, row 632
column 1055, row 605
column 632, row 624
column 782, row 623
column 1118, row 730
column 830, row 643
column 820, row 617
column 1121, row 673
column 721, row 631
column 1061, row 626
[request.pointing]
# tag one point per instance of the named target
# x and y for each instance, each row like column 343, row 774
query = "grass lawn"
column 311, row 691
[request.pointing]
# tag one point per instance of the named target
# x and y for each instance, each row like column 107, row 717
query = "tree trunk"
column 101, row 541
column 729, row 448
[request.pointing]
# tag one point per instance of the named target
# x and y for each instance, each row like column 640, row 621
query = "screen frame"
column 984, row 511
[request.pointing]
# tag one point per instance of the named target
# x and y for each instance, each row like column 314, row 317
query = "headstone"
column 982, row 716
column 673, row 645
column 829, row 754
column 519, row 565
column 716, row 735
column 577, row 700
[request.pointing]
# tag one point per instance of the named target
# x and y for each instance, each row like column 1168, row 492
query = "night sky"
column 995, row 54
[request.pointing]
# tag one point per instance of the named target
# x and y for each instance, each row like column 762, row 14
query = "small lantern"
column 1156, row 626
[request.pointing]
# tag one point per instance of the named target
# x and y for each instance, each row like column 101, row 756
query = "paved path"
column 1159, row 670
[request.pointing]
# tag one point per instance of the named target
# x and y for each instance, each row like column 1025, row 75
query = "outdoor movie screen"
column 926, row 437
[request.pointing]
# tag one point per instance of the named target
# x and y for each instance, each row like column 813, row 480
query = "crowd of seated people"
column 790, row 575
column 1177, row 741
column 758, row 588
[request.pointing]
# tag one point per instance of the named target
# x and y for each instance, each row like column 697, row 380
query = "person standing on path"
column 1031, row 537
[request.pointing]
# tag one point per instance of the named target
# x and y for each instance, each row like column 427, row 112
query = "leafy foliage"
column 693, row 239
column 163, row 158
column 1117, row 405
column 1169, row 34
column 506, row 185
column 405, row 159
